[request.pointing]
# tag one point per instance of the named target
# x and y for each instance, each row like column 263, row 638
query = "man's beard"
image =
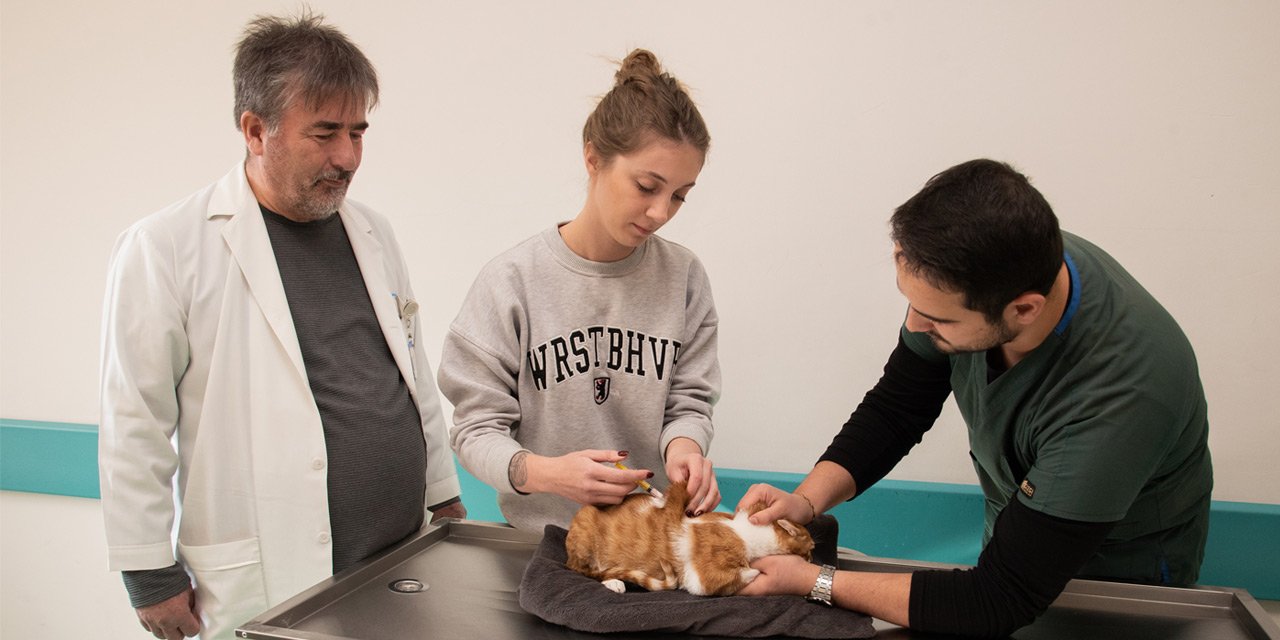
column 318, row 201
column 997, row 336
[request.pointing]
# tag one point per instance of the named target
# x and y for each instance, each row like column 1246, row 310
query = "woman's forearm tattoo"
column 518, row 471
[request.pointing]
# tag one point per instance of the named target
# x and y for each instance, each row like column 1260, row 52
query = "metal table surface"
column 470, row 572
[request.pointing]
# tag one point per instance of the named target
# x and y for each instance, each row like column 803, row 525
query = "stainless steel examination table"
column 459, row 580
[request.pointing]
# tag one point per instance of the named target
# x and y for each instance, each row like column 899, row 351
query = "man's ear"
column 254, row 130
column 1026, row 308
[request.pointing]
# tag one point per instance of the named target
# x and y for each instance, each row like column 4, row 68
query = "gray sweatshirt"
column 553, row 353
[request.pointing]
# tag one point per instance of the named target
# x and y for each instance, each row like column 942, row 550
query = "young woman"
column 594, row 342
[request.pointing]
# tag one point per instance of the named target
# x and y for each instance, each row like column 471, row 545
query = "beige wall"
column 1149, row 126
column 54, row 581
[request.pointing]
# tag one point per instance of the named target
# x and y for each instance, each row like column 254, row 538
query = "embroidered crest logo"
column 602, row 390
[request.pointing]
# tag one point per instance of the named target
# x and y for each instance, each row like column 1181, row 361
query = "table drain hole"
column 407, row 585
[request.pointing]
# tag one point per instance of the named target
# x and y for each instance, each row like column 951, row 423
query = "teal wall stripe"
column 1242, row 550
column 49, row 457
column 929, row 521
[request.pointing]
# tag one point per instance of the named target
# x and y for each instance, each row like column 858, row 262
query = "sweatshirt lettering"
column 600, row 347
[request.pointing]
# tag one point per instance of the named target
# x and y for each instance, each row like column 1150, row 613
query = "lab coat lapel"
column 371, row 256
column 246, row 237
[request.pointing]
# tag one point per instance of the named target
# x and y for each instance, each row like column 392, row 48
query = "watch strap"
column 821, row 591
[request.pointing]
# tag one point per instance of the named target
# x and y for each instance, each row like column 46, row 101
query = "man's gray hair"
column 283, row 59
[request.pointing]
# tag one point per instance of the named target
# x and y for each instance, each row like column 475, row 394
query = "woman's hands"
column 685, row 463
column 579, row 476
column 589, row 477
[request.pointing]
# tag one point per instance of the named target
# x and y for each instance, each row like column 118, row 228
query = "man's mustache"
column 344, row 176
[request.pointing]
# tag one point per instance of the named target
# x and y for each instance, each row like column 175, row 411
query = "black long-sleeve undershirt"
column 1029, row 560
column 892, row 418
column 1031, row 556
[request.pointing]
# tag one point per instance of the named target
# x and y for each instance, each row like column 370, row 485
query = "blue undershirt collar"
column 1073, row 302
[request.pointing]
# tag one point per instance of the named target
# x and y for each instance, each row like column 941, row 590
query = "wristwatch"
column 821, row 591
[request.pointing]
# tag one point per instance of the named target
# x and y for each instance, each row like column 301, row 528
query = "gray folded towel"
column 559, row 595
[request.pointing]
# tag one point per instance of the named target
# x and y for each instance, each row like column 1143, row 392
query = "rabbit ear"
column 789, row 527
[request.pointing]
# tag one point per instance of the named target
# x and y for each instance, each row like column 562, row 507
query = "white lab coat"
column 198, row 340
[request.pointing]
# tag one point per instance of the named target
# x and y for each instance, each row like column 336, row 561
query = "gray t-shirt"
column 553, row 353
column 372, row 431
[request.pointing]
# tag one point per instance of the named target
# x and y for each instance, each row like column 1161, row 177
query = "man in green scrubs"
column 1086, row 415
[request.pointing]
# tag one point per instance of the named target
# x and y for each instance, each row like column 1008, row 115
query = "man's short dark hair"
column 282, row 59
column 980, row 229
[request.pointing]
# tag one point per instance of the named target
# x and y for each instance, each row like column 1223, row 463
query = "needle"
column 643, row 484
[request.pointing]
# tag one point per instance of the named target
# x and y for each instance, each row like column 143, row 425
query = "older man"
column 259, row 346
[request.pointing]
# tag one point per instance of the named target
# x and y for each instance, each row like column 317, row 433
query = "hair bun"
column 645, row 101
column 639, row 66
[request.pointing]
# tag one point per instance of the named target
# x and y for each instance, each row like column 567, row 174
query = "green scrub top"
column 1105, row 421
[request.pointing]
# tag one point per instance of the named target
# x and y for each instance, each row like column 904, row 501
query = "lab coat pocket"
column 229, row 584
